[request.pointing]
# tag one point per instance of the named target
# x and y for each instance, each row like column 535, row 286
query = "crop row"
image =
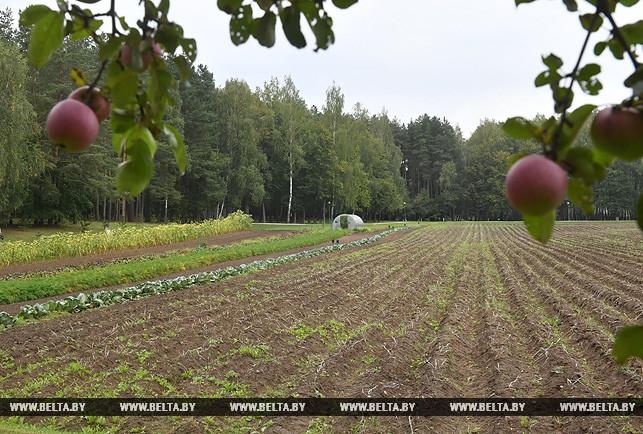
column 65, row 245
column 82, row 302
column 17, row 290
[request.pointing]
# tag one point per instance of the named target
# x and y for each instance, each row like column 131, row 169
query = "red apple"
column 535, row 185
column 619, row 132
column 72, row 125
column 98, row 103
column 146, row 55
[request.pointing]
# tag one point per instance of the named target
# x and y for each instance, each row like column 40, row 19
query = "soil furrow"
column 461, row 310
column 572, row 322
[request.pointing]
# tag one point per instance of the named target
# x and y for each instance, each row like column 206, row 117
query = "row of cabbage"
column 83, row 302
column 65, row 245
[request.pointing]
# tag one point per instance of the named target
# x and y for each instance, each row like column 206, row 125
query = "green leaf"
column 616, row 48
column 639, row 212
column 263, row 29
column 629, row 3
column 324, row 35
column 6, row 319
column 164, row 7
column 633, row 33
column 610, row 4
column 586, row 21
column 586, row 79
column 343, row 4
column 602, row 158
column 635, row 81
column 123, row 86
column 81, row 31
column 580, row 161
column 309, row 8
column 229, row 6
column 46, row 37
column 519, row 2
column 572, row 6
column 184, row 68
column 552, row 62
column 121, row 121
column 178, row 147
column 124, row 24
column 241, row 25
column 628, row 343
column 265, row 4
column 599, row 48
column 158, row 90
column 151, row 12
column 519, row 128
column 541, row 227
column 575, row 119
column 547, row 77
column 109, row 48
column 133, row 175
column 118, row 141
column 189, row 48
column 563, row 98
column 140, row 142
column 168, row 36
column 581, row 194
column 290, row 20
column 33, row 14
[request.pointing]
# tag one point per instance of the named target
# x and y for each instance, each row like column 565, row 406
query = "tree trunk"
column 165, row 213
column 97, row 207
column 290, row 185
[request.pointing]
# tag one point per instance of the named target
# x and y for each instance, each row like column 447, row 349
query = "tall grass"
column 66, row 245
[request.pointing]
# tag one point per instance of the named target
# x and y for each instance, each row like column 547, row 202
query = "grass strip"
column 84, row 280
column 19, row 426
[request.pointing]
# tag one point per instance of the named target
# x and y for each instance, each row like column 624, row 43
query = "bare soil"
column 466, row 310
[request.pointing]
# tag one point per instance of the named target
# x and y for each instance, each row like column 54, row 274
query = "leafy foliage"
column 586, row 166
column 138, row 79
column 558, row 136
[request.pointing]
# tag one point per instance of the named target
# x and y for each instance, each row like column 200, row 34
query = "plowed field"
column 461, row 310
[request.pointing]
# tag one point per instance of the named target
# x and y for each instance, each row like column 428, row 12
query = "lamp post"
column 330, row 222
column 404, row 211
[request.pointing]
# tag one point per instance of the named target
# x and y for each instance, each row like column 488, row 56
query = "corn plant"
column 65, row 245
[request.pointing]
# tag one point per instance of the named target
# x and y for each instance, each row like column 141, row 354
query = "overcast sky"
column 464, row 60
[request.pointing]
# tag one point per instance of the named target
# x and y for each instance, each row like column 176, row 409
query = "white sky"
column 465, row 60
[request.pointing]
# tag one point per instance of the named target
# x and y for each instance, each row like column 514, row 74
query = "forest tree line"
column 264, row 151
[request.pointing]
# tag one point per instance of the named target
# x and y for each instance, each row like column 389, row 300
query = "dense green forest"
column 265, row 151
